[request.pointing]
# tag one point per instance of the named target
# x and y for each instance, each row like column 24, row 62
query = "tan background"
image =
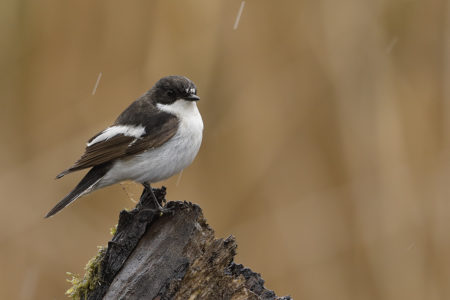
column 326, row 147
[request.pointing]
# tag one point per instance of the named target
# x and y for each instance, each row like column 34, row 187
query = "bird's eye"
column 171, row 93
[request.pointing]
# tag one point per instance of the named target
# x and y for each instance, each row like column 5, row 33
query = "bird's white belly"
column 163, row 162
column 157, row 164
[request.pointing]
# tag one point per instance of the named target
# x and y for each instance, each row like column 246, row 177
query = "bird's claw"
column 166, row 210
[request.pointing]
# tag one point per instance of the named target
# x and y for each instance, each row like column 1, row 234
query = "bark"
column 170, row 256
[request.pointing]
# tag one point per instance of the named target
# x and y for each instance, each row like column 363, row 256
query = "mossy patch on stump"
column 81, row 286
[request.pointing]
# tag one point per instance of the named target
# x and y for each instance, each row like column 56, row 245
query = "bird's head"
column 170, row 89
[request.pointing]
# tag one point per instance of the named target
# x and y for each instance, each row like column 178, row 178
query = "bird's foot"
column 159, row 210
column 148, row 194
column 166, row 211
column 163, row 209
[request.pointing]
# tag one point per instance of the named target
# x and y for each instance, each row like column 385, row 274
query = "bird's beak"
column 192, row 97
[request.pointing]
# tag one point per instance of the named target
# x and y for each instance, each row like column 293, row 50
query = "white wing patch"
column 135, row 131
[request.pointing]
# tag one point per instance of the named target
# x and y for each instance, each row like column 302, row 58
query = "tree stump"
column 169, row 256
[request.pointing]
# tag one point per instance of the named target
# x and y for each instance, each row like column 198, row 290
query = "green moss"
column 81, row 286
column 113, row 230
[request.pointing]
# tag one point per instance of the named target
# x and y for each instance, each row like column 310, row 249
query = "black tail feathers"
column 65, row 172
column 86, row 185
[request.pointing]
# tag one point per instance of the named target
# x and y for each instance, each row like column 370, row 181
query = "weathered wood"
column 173, row 256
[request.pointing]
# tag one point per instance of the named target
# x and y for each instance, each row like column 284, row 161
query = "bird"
column 154, row 138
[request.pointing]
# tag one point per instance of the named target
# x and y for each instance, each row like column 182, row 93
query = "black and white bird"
column 157, row 136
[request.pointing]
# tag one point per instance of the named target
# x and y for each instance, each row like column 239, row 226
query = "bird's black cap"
column 171, row 88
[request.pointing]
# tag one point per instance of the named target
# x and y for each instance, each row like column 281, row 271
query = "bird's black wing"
column 114, row 144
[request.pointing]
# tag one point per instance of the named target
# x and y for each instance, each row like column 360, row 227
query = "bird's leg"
column 148, row 188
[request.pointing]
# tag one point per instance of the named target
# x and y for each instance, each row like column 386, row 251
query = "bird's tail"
column 86, row 185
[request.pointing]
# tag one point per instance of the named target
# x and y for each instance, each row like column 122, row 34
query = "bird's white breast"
column 176, row 154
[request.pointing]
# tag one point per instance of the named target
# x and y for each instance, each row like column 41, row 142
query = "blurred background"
column 326, row 144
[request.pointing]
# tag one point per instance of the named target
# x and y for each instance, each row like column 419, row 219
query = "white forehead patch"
column 191, row 91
